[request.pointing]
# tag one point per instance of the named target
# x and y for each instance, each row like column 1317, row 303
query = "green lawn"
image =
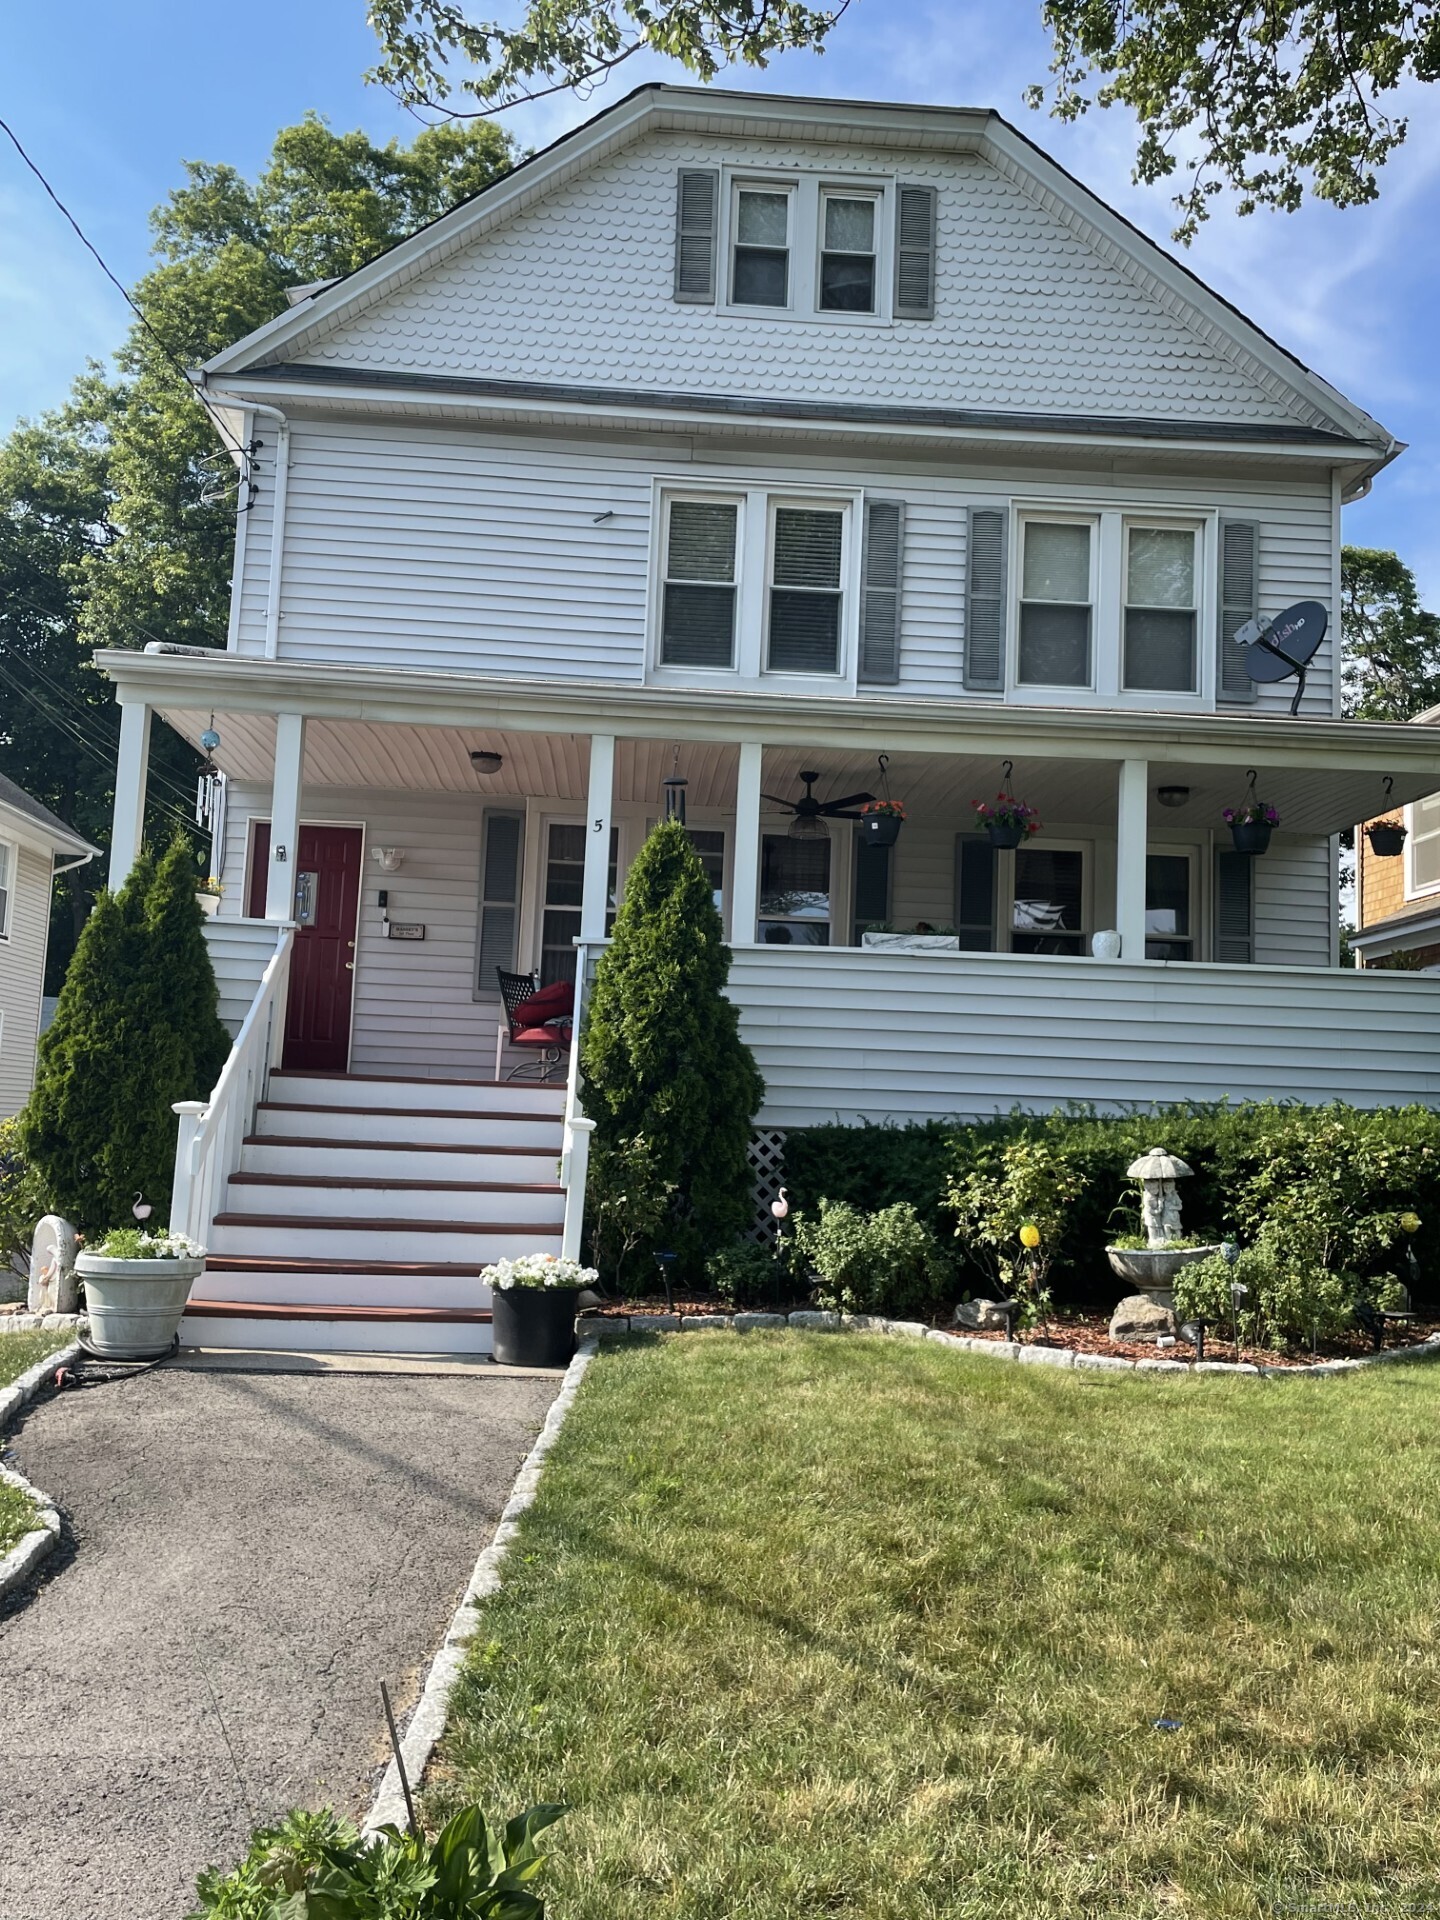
column 20, row 1351
column 816, row 1625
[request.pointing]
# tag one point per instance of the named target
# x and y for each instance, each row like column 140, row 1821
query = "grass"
column 808, row 1626
column 20, row 1351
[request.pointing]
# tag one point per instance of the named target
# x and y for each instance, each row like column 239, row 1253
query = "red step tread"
column 272, row 1310
column 408, row 1080
column 395, row 1186
column 381, row 1146
column 547, row 1228
column 309, row 1264
column 415, row 1113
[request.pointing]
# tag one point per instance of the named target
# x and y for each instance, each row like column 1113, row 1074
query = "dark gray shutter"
column 975, row 893
column 881, row 560
column 872, row 886
column 501, row 838
column 1239, row 602
column 697, row 200
column 1234, row 908
column 985, row 597
column 915, row 253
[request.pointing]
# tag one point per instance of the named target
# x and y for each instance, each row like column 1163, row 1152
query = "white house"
column 737, row 439
column 34, row 847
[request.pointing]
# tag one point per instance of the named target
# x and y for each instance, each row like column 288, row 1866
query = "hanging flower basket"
column 1007, row 821
column 1251, row 825
column 1387, row 839
column 881, row 821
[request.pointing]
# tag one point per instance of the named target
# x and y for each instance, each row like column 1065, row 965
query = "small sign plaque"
column 404, row 930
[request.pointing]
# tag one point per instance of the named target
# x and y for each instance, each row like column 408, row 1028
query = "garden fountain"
column 1152, row 1268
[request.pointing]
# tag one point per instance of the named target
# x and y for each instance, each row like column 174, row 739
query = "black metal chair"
column 546, row 1037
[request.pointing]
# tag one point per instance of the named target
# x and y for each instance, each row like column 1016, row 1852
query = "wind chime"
column 210, row 796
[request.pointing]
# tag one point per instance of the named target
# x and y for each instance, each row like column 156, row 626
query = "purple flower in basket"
column 1253, row 813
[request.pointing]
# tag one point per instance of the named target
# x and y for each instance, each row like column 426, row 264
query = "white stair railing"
column 575, row 1147
column 212, row 1132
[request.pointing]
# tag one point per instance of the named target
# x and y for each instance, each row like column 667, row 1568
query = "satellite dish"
column 1276, row 649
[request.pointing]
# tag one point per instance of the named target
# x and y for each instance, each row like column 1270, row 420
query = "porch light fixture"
column 388, row 859
column 673, row 788
column 484, row 761
column 1172, row 796
column 808, row 826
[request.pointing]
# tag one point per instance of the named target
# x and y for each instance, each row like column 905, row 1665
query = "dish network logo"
column 1277, row 634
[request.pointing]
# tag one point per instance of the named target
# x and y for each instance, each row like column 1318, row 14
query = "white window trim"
column 1005, row 890
column 1044, row 518
column 666, row 499
column 803, row 288
column 1412, row 890
column 11, row 849
column 752, row 573
column 1199, row 934
column 876, row 195
column 849, row 596
column 1159, row 523
column 1107, row 561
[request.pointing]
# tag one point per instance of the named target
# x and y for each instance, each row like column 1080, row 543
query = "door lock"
column 349, row 966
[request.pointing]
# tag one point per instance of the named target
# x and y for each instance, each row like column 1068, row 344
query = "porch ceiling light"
column 388, row 859
column 484, row 761
column 1172, row 796
column 808, row 826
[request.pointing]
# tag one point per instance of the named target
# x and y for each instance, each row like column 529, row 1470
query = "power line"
column 125, row 294
column 85, row 715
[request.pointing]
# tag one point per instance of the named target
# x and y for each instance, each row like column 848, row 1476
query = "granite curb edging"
column 44, row 1536
column 427, row 1723
column 622, row 1326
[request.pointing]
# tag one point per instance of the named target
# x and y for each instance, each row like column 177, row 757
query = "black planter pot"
column 881, row 829
column 1251, row 836
column 534, row 1326
column 1386, row 843
column 1004, row 833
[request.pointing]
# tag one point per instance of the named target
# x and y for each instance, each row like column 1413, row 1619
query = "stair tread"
column 347, row 1222
column 382, row 1146
column 276, row 1310
column 396, row 1185
column 551, row 1119
column 406, row 1080
column 314, row 1267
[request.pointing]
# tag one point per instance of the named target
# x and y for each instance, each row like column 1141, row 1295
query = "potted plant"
column 1387, row 838
column 208, row 894
column 532, row 1307
column 136, row 1285
column 881, row 821
column 1008, row 821
column 1251, row 825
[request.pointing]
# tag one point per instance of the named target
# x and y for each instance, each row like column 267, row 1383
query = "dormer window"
column 760, row 276
column 848, row 253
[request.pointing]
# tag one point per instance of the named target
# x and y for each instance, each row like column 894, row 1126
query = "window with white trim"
column 760, row 255
column 1057, row 594
column 848, row 251
column 1422, row 847
column 9, row 858
column 698, row 618
column 1161, row 608
column 806, row 592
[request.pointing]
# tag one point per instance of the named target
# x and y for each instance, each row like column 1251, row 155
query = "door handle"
column 349, row 966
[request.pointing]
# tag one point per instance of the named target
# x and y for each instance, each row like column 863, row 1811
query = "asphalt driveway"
column 246, row 1556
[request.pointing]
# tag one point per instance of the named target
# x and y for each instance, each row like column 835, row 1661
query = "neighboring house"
column 740, row 438
column 1398, row 896
column 34, row 847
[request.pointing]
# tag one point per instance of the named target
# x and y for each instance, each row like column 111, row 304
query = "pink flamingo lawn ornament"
column 142, row 1208
column 780, row 1208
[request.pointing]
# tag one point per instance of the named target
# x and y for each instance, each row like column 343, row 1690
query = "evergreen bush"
column 662, row 1056
column 136, row 1028
column 887, row 1262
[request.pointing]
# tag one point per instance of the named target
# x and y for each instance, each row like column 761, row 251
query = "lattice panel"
column 767, row 1164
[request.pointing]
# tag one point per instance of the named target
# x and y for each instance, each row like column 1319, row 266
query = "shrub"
column 1026, row 1187
column 314, row 1864
column 135, row 1029
column 661, row 1050
column 23, row 1199
column 872, row 1167
column 1288, row 1297
column 749, row 1275
column 627, row 1206
column 887, row 1262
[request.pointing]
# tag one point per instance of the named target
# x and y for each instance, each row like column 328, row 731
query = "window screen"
column 1160, row 611
column 805, row 590
column 1055, row 606
column 698, row 627
column 847, row 258
column 760, row 274
column 1425, row 843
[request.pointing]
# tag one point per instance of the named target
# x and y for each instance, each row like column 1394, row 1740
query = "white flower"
column 538, row 1270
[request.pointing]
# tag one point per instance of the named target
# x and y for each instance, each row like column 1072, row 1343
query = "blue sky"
column 111, row 100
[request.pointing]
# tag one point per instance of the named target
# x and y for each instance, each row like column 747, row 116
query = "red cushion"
column 542, row 1037
column 558, row 997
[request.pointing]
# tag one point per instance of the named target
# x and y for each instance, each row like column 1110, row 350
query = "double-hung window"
column 7, row 885
column 847, row 252
column 1056, row 603
column 760, row 262
column 1159, row 652
column 805, row 589
column 698, row 618
column 1422, row 849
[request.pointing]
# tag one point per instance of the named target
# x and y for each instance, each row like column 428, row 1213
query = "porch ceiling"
column 935, row 786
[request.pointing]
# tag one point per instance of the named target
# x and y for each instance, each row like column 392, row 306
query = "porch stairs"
column 364, row 1208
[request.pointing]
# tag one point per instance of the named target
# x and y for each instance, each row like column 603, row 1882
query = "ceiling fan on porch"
column 809, row 814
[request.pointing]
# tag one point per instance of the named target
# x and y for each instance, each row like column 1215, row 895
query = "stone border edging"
column 44, row 1536
column 427, row 1722
column 621, row 1326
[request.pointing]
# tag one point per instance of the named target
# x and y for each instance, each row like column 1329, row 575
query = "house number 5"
column 599, row 826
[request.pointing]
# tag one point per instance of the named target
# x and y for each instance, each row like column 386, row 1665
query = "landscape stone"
column 1138, row 1318
column 985, row 1316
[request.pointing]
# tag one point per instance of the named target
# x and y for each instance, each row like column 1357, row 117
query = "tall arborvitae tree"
column 135, row 1029
column 661, row 1052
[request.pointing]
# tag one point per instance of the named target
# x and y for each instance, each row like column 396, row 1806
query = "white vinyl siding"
column 22, row 973
column 1294, row 903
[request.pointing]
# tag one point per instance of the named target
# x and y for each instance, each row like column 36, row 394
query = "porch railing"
column 575, row 1142
column 213, row 1131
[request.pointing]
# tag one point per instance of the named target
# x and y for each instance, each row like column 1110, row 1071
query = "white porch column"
column 1131, row 833
column 745, row 869
column 593, row 900
column 132, row 770
column 285, row 802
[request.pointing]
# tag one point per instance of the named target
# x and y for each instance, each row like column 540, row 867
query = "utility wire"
column 50, row 613
column 87, row 716
column 125, row 294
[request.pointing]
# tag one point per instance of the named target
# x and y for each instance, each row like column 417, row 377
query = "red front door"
column 322, row 973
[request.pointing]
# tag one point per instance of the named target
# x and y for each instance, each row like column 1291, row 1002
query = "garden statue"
column 1157, row 1172
column 53, row 1286
column 1151, row 1269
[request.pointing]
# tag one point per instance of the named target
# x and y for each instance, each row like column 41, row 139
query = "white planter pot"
column 911, row 942
column 209, row 902
column 135, row 1305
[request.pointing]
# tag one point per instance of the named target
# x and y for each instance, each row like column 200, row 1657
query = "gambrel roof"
column 554, row 284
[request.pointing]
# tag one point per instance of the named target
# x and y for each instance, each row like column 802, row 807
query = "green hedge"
column 1248, row 1158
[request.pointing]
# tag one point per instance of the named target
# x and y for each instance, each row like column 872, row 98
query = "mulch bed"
column 1082, row 1333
